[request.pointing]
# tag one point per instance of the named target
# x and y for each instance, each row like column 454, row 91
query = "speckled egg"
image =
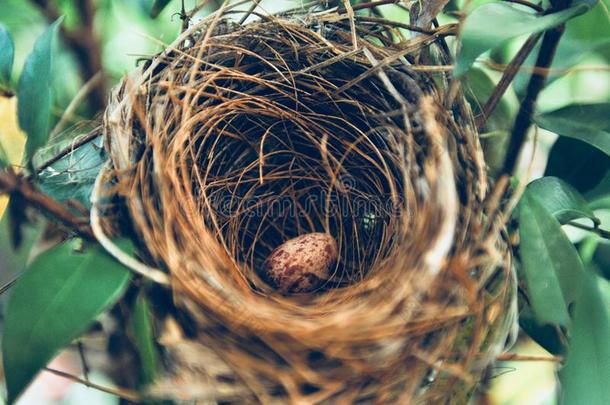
column 301, row 264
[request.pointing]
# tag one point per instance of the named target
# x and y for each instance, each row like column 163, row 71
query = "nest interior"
column 239, row 137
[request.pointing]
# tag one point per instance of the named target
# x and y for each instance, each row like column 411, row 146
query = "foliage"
column 34, row 92
column 72, row 289
column 566, row 292
column 6, row 56
column 493, row 24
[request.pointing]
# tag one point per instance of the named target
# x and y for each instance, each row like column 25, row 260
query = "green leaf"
column 578, row 163
column 494, row 24
column 481, row 87
column 14, row 259
column 583, row 36
column 34, row 91
column 550, row 337
column 7, row 55
column 561, row 199
column 53, row 303
column 588, row 123
column 142, row 330
column 585, row 377
column 551, row 265
column 73, row 176
column 158, row 7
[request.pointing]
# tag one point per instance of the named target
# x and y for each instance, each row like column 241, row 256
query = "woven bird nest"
column 241, row 136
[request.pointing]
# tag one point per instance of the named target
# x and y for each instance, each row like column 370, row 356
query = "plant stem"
column 527, row 4
column 598, row 231
column 121, row 393
column 509, row 74
column 70, row 148
column 12, row 183
column 537, row 81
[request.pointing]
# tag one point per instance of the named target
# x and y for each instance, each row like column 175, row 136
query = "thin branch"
column 509, row 74
column 7, row 286
column 68, row 114
column 364, row 6
column 499, row 67
column 119, row 392
column 537, row 81
column 410, row 27
column 11, row 183
column 83, row 41
column 523, row 357
column 69, row 149
column 83, row 359
column 526, row 3
column 598, row 231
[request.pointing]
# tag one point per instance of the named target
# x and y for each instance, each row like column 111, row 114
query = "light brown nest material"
column 241, row 136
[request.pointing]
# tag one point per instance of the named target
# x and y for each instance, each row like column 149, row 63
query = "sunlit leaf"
column 494, row 24
column 561, row 199
column 7, row 55
column 34, row 91
column 585, row 377
column 588, row 123
column 57, row 298
column 551, row 266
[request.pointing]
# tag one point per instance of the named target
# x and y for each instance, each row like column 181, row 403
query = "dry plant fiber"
column 241, row 136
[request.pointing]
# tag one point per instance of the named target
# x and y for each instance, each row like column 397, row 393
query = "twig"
column 12, row 183
column 523, row 357
column 119, row 392
column 536, row 84
column 527, row 4
column 85, row 45
column 249, row 12
column 83, row 359
column 598, row 231
column 7, row 286
column 410, row 27
column 82, row 93
column 69, row 149
column 551, row 71
column 508, row 76
column 364, row 6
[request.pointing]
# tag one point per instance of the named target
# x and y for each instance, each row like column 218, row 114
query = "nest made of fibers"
column 240, row 136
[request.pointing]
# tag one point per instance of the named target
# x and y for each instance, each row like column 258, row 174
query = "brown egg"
column 301, row 264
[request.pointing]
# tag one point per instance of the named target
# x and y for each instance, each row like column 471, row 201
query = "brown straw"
column 239, row 137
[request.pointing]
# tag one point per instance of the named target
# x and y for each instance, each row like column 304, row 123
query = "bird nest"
column 241, row 136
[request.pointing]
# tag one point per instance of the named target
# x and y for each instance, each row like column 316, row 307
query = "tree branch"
column 11, row 183
column 70, row 148
column 509, row 74
column 537, row 81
